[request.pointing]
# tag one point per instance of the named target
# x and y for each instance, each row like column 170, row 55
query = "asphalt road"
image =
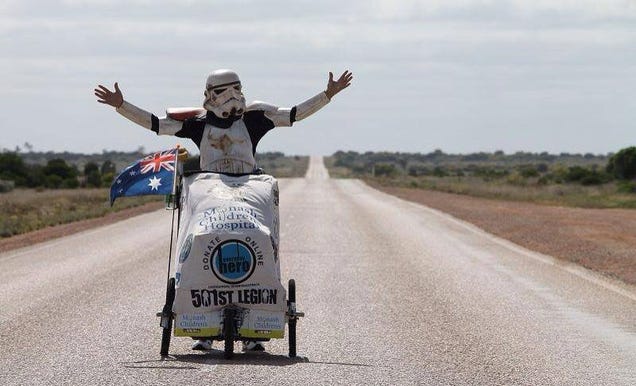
column 395, row 293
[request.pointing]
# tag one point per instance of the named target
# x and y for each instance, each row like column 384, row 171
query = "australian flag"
column 153, row 174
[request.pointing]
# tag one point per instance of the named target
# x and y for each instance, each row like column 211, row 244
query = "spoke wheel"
column 291, row 302
column 228, row 332
column 166, row 332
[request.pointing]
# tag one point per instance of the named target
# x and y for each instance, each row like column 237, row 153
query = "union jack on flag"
column 156, row 162
column 153, row 174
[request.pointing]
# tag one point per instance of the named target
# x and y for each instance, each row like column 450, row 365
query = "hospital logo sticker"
column 185, row 248
column 233, row 261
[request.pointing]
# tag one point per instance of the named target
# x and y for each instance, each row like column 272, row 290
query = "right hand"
column 115, row 99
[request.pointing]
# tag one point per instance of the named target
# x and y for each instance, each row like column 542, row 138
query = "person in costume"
column 226, row 130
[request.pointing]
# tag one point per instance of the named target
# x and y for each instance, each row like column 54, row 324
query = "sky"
column 462, row 76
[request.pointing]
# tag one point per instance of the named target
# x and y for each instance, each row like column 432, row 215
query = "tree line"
column 56, row 173
column 586, row 169
column 74, row 170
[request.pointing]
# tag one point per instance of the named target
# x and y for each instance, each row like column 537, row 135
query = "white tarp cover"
column 227, row 253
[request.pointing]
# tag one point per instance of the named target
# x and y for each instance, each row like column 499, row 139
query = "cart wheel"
column 167, row 310
column 228, row 332
column 291, row 303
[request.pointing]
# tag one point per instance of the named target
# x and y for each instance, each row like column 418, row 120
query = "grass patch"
column 574, row 195
column 26, row 210
column 281, row 166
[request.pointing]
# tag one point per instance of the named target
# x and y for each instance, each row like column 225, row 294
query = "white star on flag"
column 154, row 183
column 132, row 173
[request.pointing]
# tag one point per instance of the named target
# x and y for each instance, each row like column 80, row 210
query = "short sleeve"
column 280, row 116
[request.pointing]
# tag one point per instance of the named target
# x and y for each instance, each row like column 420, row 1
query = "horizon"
column 147, row 151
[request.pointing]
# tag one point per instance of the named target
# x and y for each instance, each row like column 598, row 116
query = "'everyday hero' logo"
column 233, row 261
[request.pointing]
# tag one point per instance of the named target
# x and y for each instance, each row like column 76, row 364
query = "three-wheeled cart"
column 226, row 282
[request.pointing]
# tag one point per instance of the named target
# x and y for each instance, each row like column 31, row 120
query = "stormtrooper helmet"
column 223, row 94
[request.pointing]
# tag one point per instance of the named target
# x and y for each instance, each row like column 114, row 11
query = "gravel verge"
column 603, row 240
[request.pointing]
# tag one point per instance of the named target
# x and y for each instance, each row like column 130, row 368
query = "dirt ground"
column 603, row 240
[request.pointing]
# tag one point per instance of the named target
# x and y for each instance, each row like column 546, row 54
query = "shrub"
column 627, row 187
column 440, row 172
column 528, row 171
column 6, row 186
column 576, row 173
column 107, row 179
column 592, row 179
column 586, row 176
column 94, row 179
column 384, row 169
column 622, row 165
column 516, row 179
column 60, row 168
column 70, row 183
column 53, row 181
column 13, row 168
column 108, row 167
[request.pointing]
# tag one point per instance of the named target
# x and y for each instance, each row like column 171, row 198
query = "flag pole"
column 173, row 205
column 176, row 171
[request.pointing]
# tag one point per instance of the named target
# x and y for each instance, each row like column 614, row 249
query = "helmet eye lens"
column 218, row 91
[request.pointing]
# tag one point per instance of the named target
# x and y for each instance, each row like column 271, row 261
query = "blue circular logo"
column 185, row 248
column 233, row 262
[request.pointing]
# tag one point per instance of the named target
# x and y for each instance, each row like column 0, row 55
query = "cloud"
column 461, row 66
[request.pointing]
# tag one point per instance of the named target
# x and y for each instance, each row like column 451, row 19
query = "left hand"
column 334, row 87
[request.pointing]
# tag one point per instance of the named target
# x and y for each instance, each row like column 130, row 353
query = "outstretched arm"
column 311, row 105
column 115, row 99
column 134, row 113
column 335, row 87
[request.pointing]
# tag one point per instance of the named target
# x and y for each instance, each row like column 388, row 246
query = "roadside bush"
column 6, row 186
column 516, row 179
column 13, row 168
column 586, row 176
column 108, row 167
column 528, row 171
column 544, row 180
column 417, row 169
column 107, row 179
column 35, row 177
column 60, row 168
column 575, row 174
column 627, row 187
column 592, row 179
column 94, row 179
column 622, row 165
column 53, row 181
column 440, row 172
column 70, row 183
column 489, row 174
column 383, row 169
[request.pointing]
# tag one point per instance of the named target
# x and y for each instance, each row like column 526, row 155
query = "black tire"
column 228, row 333
column 291, row 298
column 166, row 333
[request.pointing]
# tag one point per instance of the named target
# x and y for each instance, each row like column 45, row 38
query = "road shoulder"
column 603, row 240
